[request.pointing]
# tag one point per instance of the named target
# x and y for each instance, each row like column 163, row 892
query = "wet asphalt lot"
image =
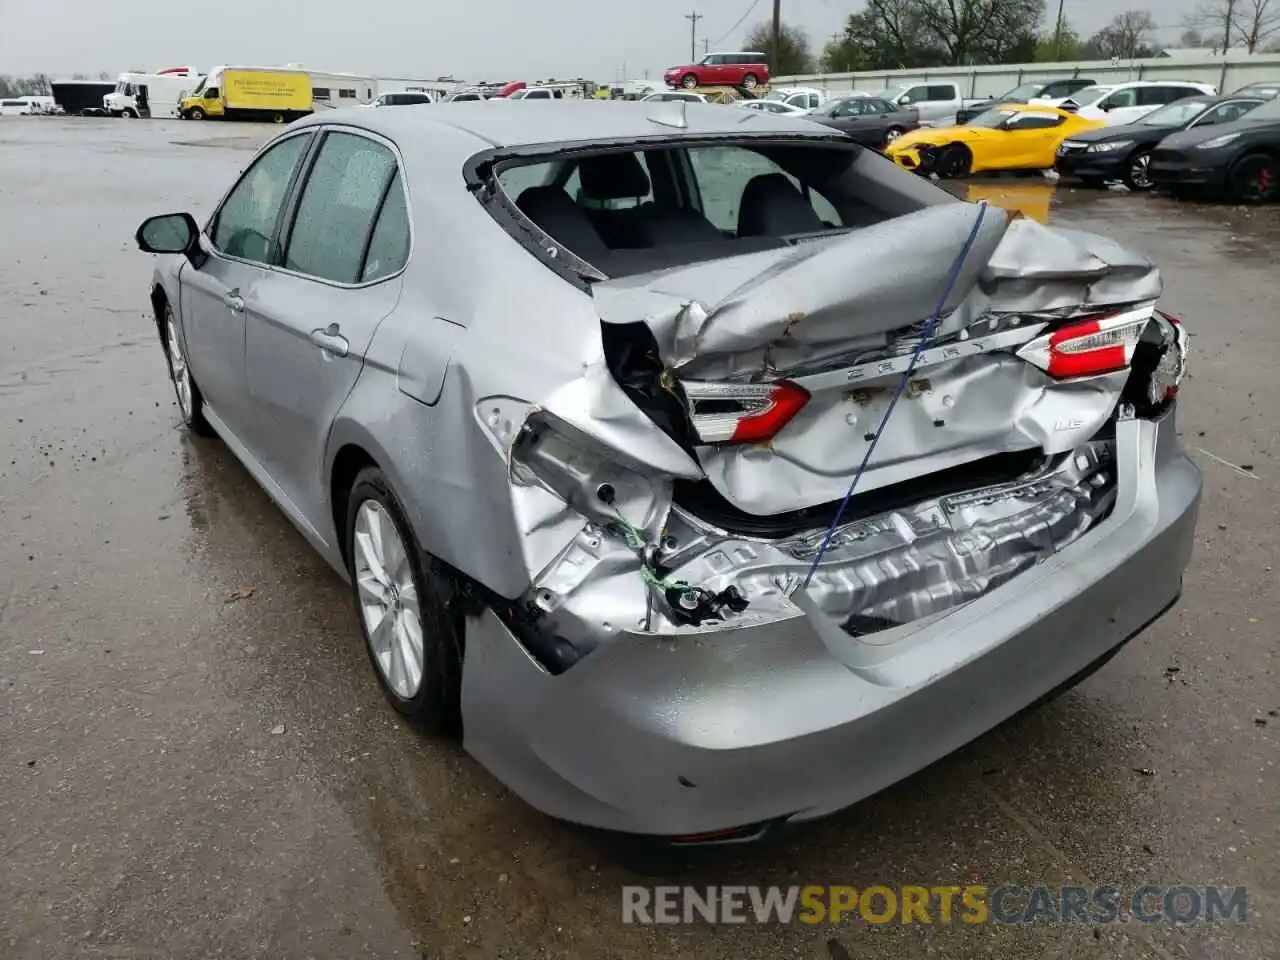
column 195, row 760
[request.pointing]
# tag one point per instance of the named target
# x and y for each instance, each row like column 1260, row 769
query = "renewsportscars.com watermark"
column 1007, row 903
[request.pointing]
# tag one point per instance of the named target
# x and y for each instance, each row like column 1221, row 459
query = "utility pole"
column 706, row 46
column 693, row 19
column 777, row 35
column 1057, row 33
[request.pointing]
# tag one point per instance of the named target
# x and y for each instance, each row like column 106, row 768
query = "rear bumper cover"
column 793, row 719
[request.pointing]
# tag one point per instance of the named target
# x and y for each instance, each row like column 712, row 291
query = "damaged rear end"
column 707, row 590
column 765, row 396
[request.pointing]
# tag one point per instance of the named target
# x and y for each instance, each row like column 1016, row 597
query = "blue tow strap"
column 902, row 385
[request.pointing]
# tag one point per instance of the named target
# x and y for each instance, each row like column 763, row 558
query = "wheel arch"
column 160, row 300
column 350, row 459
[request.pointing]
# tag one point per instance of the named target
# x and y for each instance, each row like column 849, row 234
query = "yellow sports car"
column 1012, row 136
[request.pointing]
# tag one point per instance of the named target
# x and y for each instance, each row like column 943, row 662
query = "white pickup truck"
column 936, row 102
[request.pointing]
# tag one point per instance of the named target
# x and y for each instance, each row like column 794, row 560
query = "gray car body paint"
column 668, row 728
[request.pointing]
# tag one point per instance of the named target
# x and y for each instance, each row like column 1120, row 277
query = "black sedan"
column 1024, row 93
column 1124, row 152
column 870, row 121
column 1239, row 160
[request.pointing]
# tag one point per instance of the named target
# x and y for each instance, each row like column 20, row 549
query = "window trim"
column 211, row 224
column 288, row 208
column 293, row 200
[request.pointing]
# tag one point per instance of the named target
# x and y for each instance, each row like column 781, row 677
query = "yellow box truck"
column 274, row 94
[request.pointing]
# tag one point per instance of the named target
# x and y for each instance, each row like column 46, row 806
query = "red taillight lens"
column 742, row 412
column 1090, row 347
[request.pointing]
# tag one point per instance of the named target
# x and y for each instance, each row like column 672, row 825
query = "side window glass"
column 212, row 93
column 723, row 174
column 247, row 220
column 916, row 94
column 389, row 245
column 338, row 207
column 943, row 92
column 1036, row 122
column 1123, row 98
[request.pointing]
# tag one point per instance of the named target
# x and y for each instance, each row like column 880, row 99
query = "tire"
column 1137, row 172
column 1254, row 178
column 954, row 162
column 892, row 134
column 688, row 81
column 417, row 598
column 190, row 400
column 196, row 113
column 749, row 81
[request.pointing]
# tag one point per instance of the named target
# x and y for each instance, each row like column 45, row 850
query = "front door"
column 311, row 320
column 1034, row 138
column 239, row 242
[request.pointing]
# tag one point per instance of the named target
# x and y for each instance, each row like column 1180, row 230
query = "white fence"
column 1226, row 73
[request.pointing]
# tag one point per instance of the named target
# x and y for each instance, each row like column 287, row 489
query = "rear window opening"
column 637, row 208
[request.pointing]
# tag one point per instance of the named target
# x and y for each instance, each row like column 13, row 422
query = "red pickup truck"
column 721, row 70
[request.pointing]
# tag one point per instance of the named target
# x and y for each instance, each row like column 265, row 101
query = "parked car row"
column 1223, row 146
column 1196, row 141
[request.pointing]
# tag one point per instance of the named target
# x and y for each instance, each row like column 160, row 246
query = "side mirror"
column 1104, row 107
column 171, row 233
column 906, row 101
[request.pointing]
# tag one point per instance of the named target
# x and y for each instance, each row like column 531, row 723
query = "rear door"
column 868, row 123
column 240, row 239
column 311, row 321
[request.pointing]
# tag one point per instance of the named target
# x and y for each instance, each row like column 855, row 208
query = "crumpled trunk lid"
column 841, row 318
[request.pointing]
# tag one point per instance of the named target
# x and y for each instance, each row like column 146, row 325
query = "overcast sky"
column 489, row 40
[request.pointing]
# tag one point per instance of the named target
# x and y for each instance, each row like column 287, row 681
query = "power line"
column 719, row 40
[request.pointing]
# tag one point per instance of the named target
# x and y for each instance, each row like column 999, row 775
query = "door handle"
column 330, row 341
column 233, row 300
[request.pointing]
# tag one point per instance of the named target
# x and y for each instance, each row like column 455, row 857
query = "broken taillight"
column 1090, row 347
column 742, row 412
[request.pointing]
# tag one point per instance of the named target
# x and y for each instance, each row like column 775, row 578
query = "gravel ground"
column 195, row 761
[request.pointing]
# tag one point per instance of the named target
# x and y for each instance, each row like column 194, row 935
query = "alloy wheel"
column 1140, row 171
column 1257, row 181
column 389, row 603
column 179, row 372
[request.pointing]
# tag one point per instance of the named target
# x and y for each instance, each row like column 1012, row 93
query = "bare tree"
column 1256, row 21
column 1125, row 36
column 1215, row 19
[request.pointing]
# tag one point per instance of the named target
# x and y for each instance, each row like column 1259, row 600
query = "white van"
column 16, row 108
column 1130, row 102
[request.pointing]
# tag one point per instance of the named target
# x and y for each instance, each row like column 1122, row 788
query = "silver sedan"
column 711, row 471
